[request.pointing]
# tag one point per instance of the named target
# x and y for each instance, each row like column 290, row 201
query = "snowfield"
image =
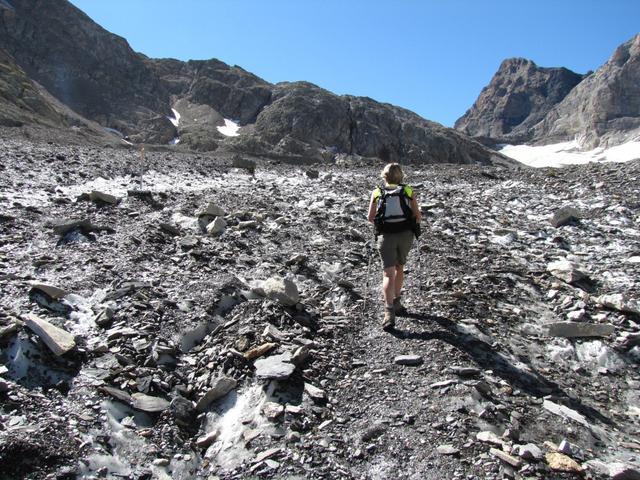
column 569, row 153
column 230, row 128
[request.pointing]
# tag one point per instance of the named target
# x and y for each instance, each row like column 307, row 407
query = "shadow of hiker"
column 530, row 382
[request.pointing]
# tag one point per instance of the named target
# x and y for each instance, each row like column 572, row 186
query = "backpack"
column 393, row 213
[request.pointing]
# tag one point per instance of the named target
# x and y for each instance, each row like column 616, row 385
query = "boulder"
column 281, row 290
column 101, row 197
column 217, row 226
column 211, row 210
column 564, row 216
column 562, row 463
column 148, row 403
column 566, row 271
column 276, row 367
column 620, row 302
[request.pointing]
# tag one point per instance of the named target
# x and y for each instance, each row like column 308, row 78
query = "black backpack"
column 393, row 213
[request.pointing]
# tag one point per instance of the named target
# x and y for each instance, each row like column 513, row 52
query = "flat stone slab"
column 620, row 302
column 276, row 367
column 315, row 393
column 58, row 340
column 565, row 412
column 54, row 292
column 579, row 329
column 148, row 403
column 505, row 457
column 447, row 450
column 220, row 387
column 408, row 360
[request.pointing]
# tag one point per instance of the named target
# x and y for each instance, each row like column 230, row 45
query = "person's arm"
column 373, row 206
column 415, row 208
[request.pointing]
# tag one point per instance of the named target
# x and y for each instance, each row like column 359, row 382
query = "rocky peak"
column 519, row 96
column 602, row 110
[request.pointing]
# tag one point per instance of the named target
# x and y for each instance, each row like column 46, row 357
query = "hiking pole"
column 366, row 291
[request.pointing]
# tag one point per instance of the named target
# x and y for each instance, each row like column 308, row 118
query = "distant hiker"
column 394, row 211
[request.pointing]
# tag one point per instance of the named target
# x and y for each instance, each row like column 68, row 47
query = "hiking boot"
column 398, row 307
column 389, row 321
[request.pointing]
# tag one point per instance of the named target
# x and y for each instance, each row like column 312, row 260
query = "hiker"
column 394, row 211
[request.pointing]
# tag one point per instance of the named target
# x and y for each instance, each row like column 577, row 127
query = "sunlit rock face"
column 519, row 96
column 528, row 104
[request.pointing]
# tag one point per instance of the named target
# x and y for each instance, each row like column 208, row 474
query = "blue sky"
column 430, row 56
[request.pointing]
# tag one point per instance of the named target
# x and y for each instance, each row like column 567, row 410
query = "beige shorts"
column 394, row 248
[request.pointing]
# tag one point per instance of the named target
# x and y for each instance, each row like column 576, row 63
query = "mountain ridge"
column 98, row 75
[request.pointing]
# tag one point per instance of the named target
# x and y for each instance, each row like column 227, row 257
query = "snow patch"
column 176, row 118
column 569, row 153
column 230, row 128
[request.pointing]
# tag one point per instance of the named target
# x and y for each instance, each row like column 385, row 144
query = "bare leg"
column 399, row 280
column 389, row 285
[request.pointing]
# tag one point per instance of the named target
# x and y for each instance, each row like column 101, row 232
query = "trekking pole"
column 366, row 291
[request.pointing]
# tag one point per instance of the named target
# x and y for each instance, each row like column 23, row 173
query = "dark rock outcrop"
column 89, row 69
column 519, row 96
column 21, row 101
column 306, row 120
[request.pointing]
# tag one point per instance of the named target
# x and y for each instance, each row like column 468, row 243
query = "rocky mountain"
column 176, row 317
column 524, row 103
column 21, row 100
column 519, row 96
column 99, row 76
column 604, row 109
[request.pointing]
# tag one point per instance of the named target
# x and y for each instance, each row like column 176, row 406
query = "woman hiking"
column 394, row 211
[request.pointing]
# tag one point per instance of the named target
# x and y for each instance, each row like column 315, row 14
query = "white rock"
column 489, row 437
column 620, row 302
column 217, row 226
column 281, row 290
column 148, row 403
column 565, row 412
column 211, row 210
column 566, row 270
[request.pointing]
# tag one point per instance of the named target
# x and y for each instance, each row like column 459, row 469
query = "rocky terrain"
column 98, row 76
column 182, row 315
column 528, row 104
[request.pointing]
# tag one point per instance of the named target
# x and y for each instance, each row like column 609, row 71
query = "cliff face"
column 87, row 68
column 602, row 110
column 519, row 96
column 20, row 99
column 528, row 104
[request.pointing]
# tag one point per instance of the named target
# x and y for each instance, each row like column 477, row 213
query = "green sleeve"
column 408, row 190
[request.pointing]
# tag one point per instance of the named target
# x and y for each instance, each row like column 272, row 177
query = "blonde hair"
column 392, row 173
